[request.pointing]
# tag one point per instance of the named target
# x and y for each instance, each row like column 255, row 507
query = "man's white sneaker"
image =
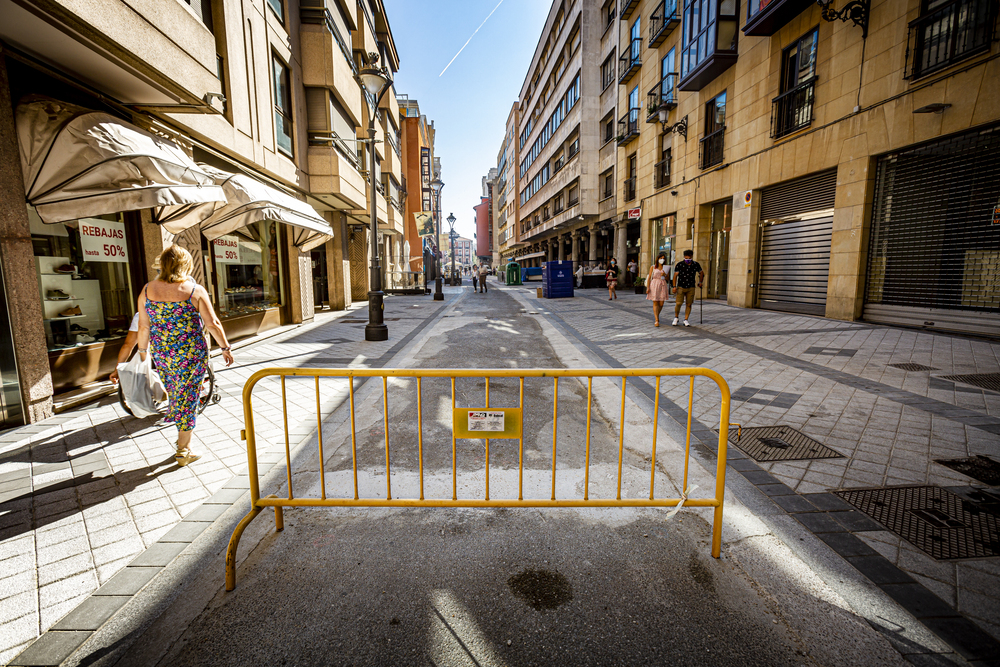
column 686, row 323
column 674, row 323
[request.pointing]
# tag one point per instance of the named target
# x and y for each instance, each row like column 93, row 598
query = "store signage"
column 634, row 213
column 226, row 250
column 102, row 241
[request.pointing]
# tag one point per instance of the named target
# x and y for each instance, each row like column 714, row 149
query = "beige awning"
column 81, row 163
column 248, row 200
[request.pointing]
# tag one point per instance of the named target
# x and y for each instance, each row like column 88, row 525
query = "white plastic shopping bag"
column 141, row 386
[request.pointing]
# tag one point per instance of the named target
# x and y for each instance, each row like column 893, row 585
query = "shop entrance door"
column 10, row 390
column 718, row 263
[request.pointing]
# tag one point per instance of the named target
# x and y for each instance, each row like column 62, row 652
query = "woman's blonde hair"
column 176, row 264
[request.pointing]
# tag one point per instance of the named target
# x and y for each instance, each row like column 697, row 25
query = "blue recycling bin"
column 557, row 279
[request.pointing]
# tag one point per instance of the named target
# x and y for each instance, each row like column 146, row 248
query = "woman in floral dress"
column 656, row 285
column 173, row 312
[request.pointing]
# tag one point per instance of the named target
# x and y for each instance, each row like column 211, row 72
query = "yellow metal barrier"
column 479, row 423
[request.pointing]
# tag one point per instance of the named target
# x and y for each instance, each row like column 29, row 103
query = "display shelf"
column 69, row 317
column 72, row 298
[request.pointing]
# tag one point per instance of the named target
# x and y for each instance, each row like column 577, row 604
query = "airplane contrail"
column 470, row 39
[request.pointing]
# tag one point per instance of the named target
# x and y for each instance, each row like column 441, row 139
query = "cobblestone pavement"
column 84, row 493
column 87, row 493
column 832, row 381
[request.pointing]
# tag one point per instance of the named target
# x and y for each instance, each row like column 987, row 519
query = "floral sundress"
column 177, row 344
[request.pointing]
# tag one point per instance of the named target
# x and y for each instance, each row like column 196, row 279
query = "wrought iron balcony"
column 712, row 147
column 630, row 61
column 661, row 96
column 793, row 110
column 948, row 35
column 628, row 6
column 665, row 18
column 766, row 17
column 630, row 189
column 628, row 126
column 661, row 173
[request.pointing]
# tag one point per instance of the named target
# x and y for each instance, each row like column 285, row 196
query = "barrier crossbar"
column 477, row 422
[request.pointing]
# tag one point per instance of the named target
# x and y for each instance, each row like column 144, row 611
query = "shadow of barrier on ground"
column 481, row 422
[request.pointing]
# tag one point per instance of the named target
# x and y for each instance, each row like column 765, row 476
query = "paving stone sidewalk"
column 88, row 492
column 832, row 381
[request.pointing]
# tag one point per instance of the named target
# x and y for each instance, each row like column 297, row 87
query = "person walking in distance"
column 611, row 276
column 484, row 271
column 656, row 285
column 172, row 310
column 684, row 285
column 631, row 273
column 475, row 277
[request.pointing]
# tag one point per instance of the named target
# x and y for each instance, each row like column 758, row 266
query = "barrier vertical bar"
column 555, row 423
column 420, row 436
column 354, row 439
column 586, row 471
column 621, row 441
column 385, row 428
column 454, row 447
column 319, row 430
column 520, row 450
column 288, row 451
column 487, row 442
column 720, row 470
column 656, row 425
column 687, row 446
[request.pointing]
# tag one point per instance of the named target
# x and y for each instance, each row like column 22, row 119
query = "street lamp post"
column 451, row 237
column 437, row 184
column 376, row 82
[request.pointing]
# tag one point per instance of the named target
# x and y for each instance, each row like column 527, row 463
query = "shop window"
column 664, row 235
column 282, row 106
column 249, row 266
column 84, row 279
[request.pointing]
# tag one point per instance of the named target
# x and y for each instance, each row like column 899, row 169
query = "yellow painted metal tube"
column 288, row 452
column 481, row 372
column 520, row 449
column 354, row 439
column 687, row 444
column 319, row 430
column 385, row 430
column 420, row 436
column 454, row 448
column 487, row 442
column 621, row 441
column 555, row 423
column 508, row 502
column 720, row 468
column 586, row 470
column 656, row 425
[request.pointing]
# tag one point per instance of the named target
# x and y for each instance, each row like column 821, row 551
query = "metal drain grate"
column 990, row 381
column 938, row 522
column 913, row 367
column 780, row 443
column 983, row 468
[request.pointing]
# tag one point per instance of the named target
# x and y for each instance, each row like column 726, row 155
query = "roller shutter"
column 934, row 246
column 796, row 228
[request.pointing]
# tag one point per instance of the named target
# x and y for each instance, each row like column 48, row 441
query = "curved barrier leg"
column 234, row 542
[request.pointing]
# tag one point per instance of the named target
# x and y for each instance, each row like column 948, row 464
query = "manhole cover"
column 780, row 443
column 913, row 367
column 989, row 381
column 983, row 468
column 938, row 522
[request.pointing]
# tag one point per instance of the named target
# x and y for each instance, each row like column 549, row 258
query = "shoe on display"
column 674, row 323
column 686, row 323
column 66, row 268
column 76, row 328
column 57, row 295
column 71, row 311
column 85, row 338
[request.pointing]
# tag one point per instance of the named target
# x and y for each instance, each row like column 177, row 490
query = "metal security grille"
column 780, row 443
column 936, row 521
column 934, row 252
column 795, row 265
column 803, row 195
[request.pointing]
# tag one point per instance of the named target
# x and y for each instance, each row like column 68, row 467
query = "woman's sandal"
column 185, row 456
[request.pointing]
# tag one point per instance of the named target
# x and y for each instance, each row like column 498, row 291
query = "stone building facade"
column 264, row 92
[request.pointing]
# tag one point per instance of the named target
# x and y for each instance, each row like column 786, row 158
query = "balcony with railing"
column 793, row 110
column 949, row 34
column 628, row 6
column 629, row 189
column 766, row 17
column 628, row 126
column 661, row 174
column 630, row 61
column 711, row 149
column 664, row 19
column 661, row 96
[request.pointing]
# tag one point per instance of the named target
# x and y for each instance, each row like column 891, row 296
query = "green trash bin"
column 513, row 273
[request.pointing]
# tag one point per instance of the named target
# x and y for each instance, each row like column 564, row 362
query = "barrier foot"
column 279, row 519
column 234, row 542
column 717, row 533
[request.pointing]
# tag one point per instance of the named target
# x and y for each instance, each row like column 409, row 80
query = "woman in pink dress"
column 656, row 285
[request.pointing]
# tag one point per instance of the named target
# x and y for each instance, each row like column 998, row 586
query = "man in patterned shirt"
column 684, row 285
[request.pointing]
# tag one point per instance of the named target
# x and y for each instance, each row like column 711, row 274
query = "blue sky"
column 470, row 103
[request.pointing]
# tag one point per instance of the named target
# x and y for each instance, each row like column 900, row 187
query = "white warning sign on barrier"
column 486, row 420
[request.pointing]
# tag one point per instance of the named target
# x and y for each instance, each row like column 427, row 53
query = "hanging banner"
column 425, row 223
column 102, row 241
column 226, row 250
